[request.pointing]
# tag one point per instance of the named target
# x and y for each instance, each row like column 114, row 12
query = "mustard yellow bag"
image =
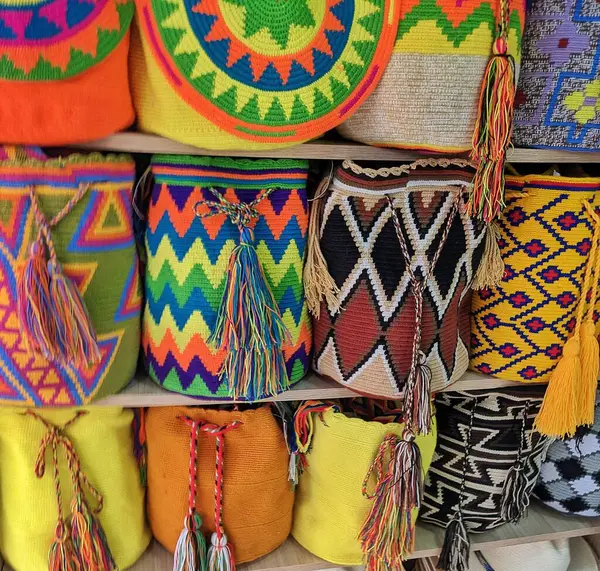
column 350, row 459
column 98, row 478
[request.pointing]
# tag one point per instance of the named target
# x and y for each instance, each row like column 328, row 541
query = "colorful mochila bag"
column 79, row 502
column 393, row 253
column 70, row 295
column 469, row 52
column 225, row 312
column 224, row 74
column 243, row 502
column 538, row 323
column 558, row 99
column 484, row 467
column 64, row 73
column 360, row 489
column 570, row 475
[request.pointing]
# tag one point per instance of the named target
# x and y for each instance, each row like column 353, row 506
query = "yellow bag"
column 99, row 443
column 330, row 508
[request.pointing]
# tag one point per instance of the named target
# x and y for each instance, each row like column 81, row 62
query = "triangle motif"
column 130, row 304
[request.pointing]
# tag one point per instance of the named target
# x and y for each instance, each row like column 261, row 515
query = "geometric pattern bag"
column 64, row 73
column 548, row 239
column 225, row 312
column 485, row 465
column 70, row 297
column 442, row 46
column 570, row 475
column 558, row 100
column 246, row 75
column 391, row 320
column 73, row 466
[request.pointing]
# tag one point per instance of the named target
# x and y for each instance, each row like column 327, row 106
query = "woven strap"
column 405, row 169
column 193, row 463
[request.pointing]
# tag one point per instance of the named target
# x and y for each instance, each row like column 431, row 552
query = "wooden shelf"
column 143, row 392
column 131, row 142
column 541, row 524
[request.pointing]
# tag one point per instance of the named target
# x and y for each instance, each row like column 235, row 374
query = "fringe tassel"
column 387, row 536
column 61, row 556
column 493, row 129
column 220, row 556
column 557, row 416
column 421, row 410
column 250, row 328
column 515, row 499
column 74, row 328
column 318, row 283
column 491, row 269
column 456, row 546
column 590, row 368
column 190, row 552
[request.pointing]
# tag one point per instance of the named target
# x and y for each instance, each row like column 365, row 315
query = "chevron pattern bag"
column 80, row 502
column 64, row 73
column 485, row 465
column 360, row 489
column 539, row 322
column 235, row 74
column 224, row 474
column 402, row 253
column 225, row 312
column 70, row 297
column 558, row 100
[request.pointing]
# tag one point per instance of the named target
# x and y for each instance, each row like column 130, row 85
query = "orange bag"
column 257, row 499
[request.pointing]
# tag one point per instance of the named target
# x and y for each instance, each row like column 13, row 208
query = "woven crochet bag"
column 386, row 326
column 224, row 74
column 428, row 96
column 246, row 505
column 225, row 312
column 84, row 458
column 64, row 74
column 485, row 465
column 548, row 237
column 558, row 100
column 70, row 296
column 360, row 489
column 570, row 475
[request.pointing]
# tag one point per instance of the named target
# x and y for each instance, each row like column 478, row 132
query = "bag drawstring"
column 51, row 311
column 456, row 546
column 387, row 535
column 417, row 396
column 515, row 496
column 140, row 449
column 190, row 552
column 80, row 544
column 570, row 396
column 249, row 325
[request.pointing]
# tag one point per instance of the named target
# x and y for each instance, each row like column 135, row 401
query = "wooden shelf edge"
column 132, row 142
column 143, row 392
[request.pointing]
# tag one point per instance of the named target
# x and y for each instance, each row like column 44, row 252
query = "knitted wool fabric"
column 225, row 74
column 369, row 344
column 257, row 497
column 103, row 440
column 188, row 258
column 330, row 508
column 558, row 99
column 428, row 97
column 570, row 475
column 521, row 325
column 494, row 446
column 64, row 76
column 95, row 247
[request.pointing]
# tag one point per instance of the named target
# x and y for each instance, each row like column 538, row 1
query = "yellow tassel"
column 318, row 283
column 491, row 268
column 558, row 415
column 590, row 367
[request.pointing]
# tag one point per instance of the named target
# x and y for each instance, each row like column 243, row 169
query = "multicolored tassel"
column 249, row 325
column 387, row 536
column 138, row 426
column 304, row 428
column 61, row 555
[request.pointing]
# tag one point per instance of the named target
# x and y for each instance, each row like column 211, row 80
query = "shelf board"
column 143, row 392
column 541, row 524
column 132, row 142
